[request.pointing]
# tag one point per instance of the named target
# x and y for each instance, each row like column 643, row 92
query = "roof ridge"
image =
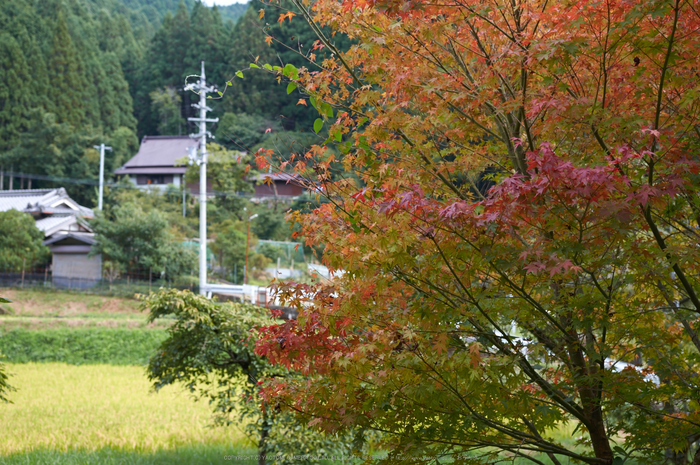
column 27, row 191
column 146, row 138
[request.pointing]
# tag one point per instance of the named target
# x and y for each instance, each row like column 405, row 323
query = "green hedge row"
column 114, row 346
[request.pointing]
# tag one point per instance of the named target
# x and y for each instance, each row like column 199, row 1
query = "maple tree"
column 517, row 216
column 210, row 349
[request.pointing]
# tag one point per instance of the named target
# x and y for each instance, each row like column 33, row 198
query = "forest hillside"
column 77, row 73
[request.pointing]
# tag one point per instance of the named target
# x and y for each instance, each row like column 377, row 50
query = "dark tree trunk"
column 264, row 433
column 696, row 459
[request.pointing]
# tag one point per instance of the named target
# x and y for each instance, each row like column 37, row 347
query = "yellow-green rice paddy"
column 91, row 407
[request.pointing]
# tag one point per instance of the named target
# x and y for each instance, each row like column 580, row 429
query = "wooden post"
column 24, row 262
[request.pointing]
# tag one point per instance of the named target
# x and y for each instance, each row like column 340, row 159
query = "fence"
column 127, row 285
column 287, row 253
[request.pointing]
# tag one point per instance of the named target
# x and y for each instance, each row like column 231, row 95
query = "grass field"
column 99, row 408
column 46, row 309
column 83, row 345
column 107, row 414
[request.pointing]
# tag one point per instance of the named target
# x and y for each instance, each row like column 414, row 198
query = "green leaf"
column 290, row 71
column 290, row 87
column 267, row 67
column 229, row 83
column 327, row 110
column 253, row 65
column 318, row 124
column 239, row 74
column 5, row 301
column 338, row 136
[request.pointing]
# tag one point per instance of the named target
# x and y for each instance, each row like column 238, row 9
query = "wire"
column 113, row 185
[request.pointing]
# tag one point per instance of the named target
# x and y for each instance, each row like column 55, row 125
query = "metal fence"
column 127, row 285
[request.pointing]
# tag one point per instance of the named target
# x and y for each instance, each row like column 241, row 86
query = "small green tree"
column 20, row 241
column 141, row 241
column 210, row 348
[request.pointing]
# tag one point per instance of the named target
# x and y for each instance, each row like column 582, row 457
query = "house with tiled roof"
column 159, row 162
column 66, row 233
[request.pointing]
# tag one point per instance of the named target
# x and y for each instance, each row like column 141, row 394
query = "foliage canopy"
column 210, row 349
column 140, row 241
column 472, row 322
column 20, row 241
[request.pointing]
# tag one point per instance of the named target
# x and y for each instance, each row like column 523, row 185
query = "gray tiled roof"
column 50, row 222
column 87, row 238
column 46, row 201
column 157, row 153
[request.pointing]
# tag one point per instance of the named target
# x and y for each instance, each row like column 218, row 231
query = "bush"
column 20, row 241
column 114, row 346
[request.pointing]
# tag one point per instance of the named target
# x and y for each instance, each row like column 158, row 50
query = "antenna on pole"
column 102, row 147
column 202, row 89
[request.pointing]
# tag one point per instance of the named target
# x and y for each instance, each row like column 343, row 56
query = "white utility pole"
column 102, row 147
column 201, row 87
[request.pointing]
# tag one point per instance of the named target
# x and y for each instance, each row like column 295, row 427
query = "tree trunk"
column 590, row 401
column 696, row 459
column 264, row 433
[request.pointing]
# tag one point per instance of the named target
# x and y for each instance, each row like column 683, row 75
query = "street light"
column 247, row 240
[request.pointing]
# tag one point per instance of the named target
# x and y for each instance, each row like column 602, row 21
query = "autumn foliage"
column 516, row 213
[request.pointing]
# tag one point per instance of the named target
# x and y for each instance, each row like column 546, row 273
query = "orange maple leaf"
column 261, row 13
column 281, row 18
column 302, row 102
column 268, row 40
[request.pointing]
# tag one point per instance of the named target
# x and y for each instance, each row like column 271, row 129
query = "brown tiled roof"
column 158, row 155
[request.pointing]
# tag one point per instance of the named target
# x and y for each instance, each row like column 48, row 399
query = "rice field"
column 100, row 409
column 66, row 414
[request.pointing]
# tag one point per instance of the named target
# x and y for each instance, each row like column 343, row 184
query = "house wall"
column 76, row 270
column 155, row 179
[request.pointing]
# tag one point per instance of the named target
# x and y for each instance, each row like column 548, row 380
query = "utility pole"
column 247, row 241
column 102, row 147
column 201, row 87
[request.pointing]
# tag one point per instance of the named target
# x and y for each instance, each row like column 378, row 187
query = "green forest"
column 77, row 73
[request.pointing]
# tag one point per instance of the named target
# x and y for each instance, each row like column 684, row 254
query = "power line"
column 122, row 185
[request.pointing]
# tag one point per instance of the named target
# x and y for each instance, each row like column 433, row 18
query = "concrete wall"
column 76, row 270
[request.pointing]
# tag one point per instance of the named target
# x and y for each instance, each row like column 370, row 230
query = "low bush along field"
column 90, row 401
